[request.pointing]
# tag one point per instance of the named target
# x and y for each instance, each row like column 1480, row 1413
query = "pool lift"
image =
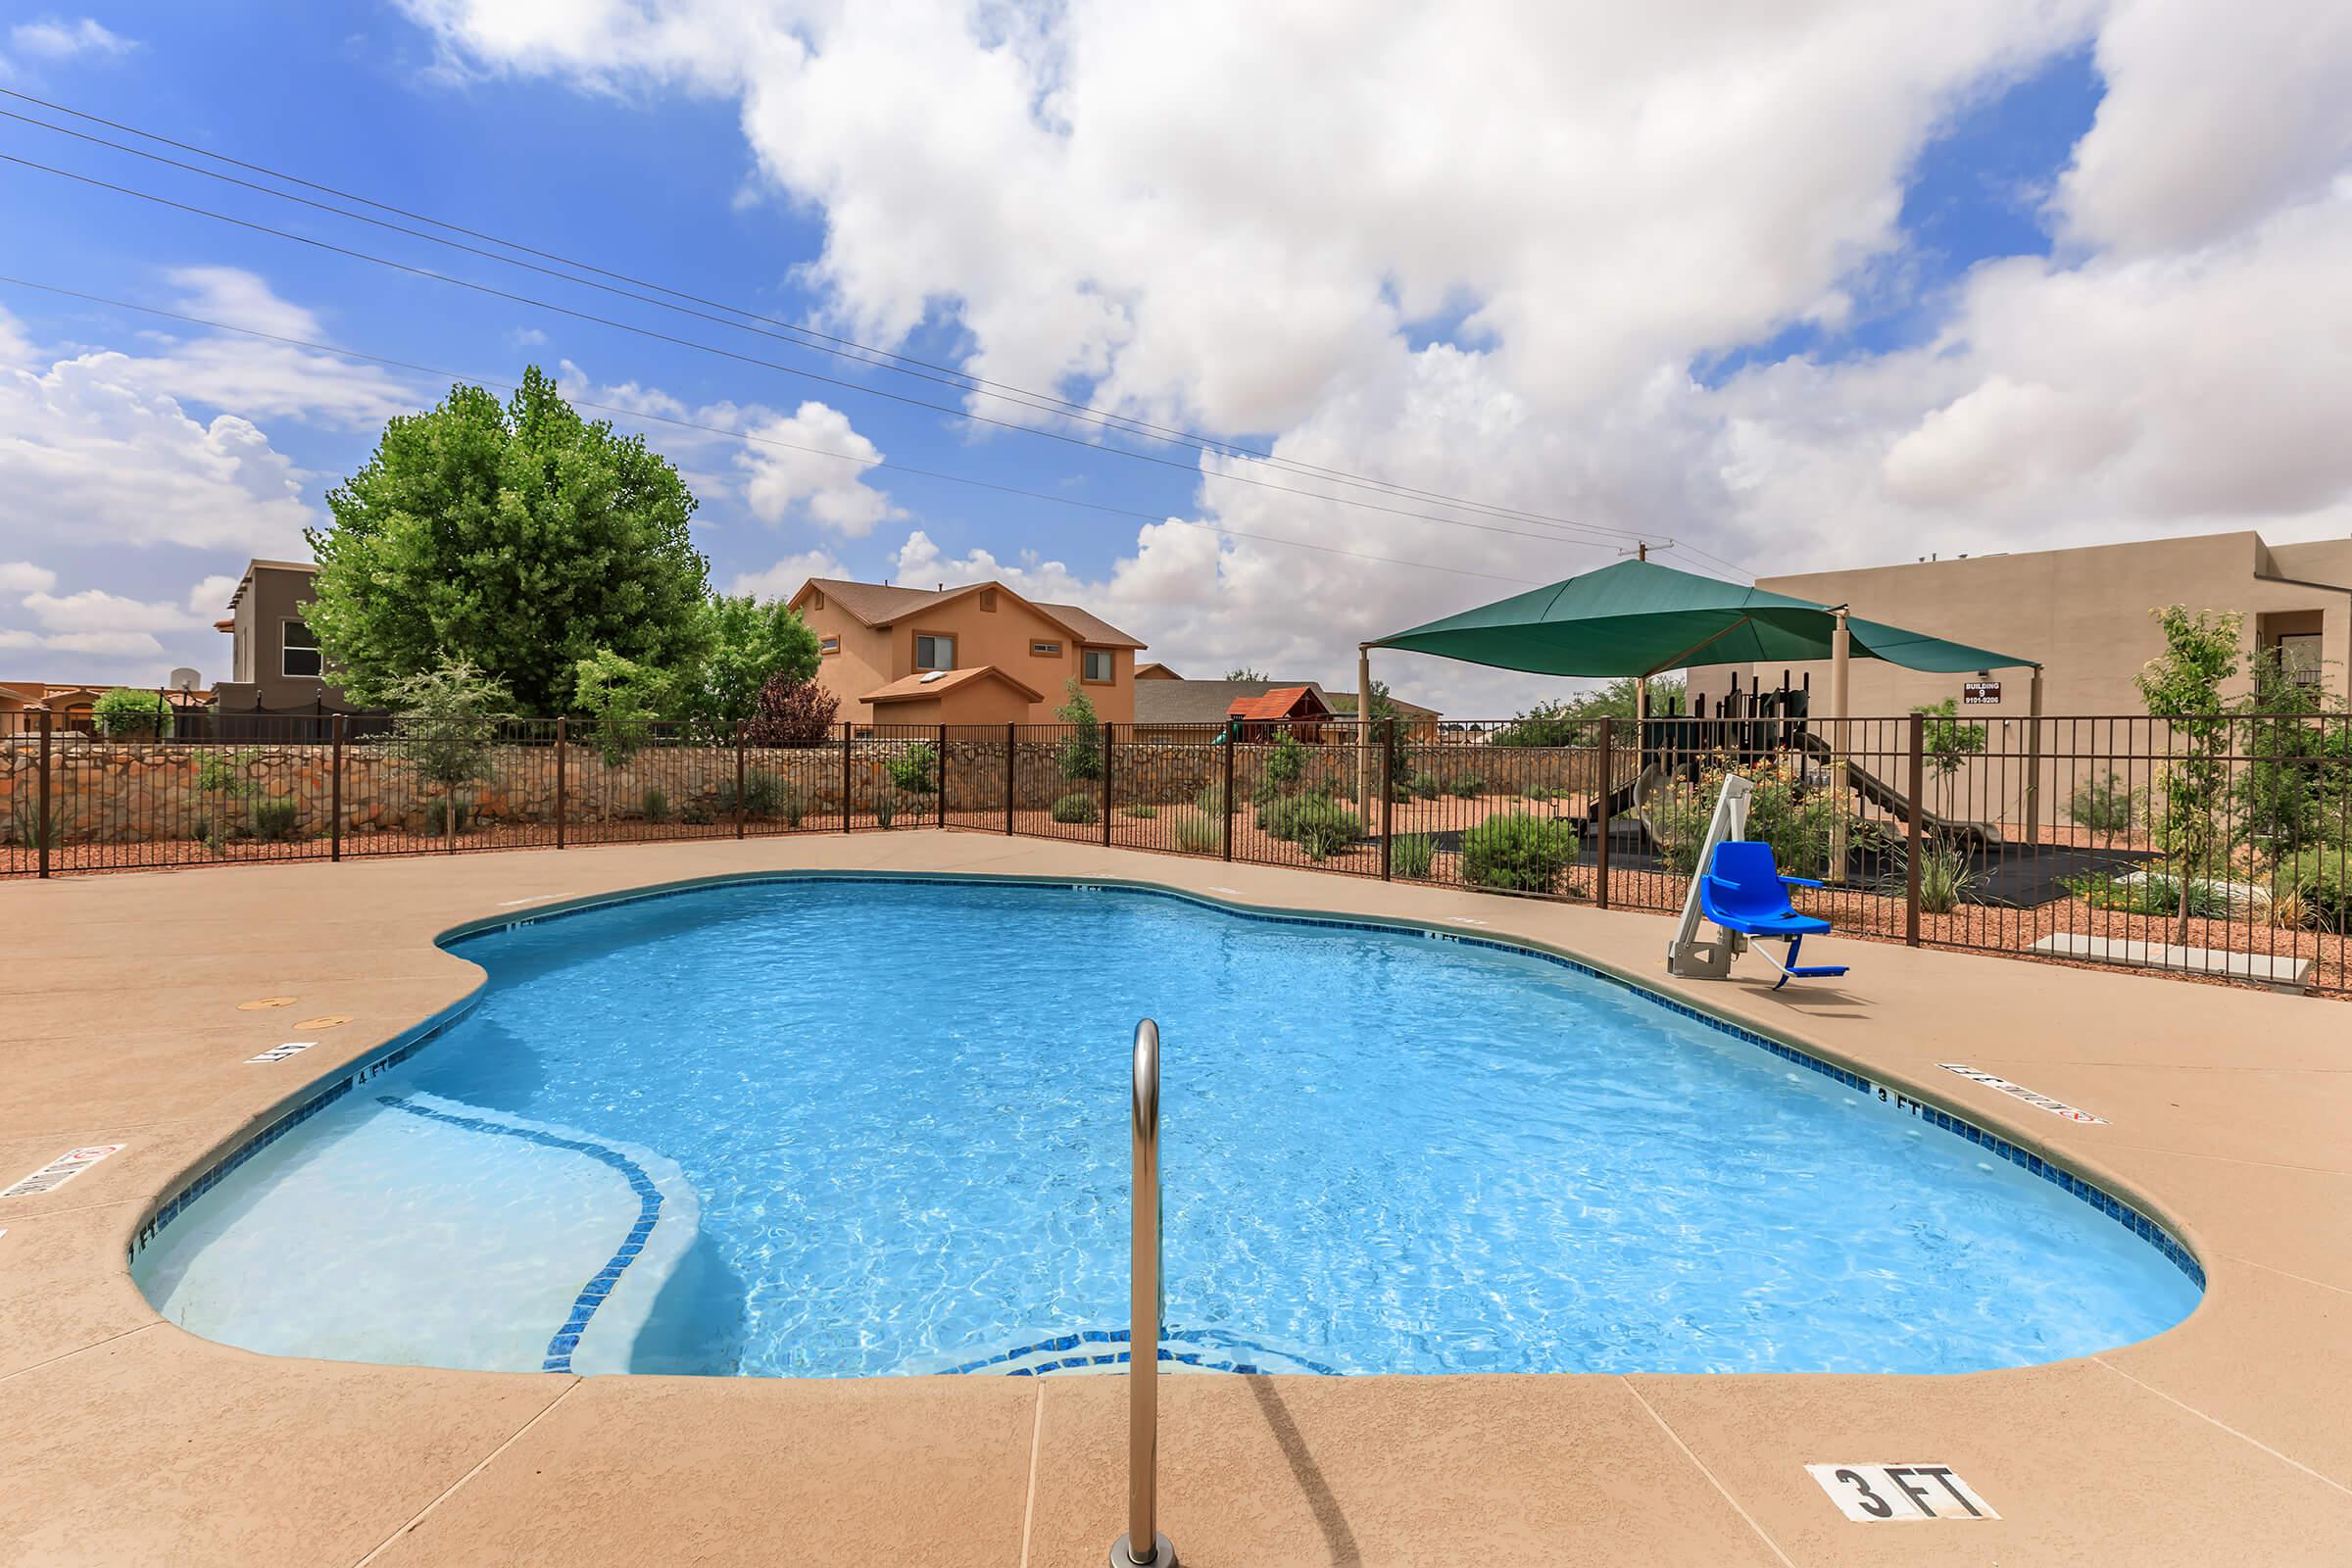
column 1744, row 896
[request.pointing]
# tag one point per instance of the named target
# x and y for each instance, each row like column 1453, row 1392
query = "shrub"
column 437, row 817
column 2158, row 892
column 27, row 827
column 886, row 809
column 1075, row 806
column 792, row 712
column 1283, row 768
column 1212, row 801
column 1425, row 785
column 1138, row 808
column 1468, row 786
column 915, row 769
column 763, row 793
column 273, row 819
column 1518, row 852
column 127, row 714
column 653, row 806
column 1545, row 724
column 1321, row 827
column 2104, row 806
column 1410, row 855
column 1198, row 835
column 697, row 814
column 1946, row 880
column 215, row 771
column 1081, row 754
column 2320, row 880
column 792, row 806
column 620, row 698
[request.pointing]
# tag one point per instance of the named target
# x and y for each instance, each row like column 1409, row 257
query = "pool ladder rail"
column 1144, row 1308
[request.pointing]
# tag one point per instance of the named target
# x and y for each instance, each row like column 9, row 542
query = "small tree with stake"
column 1947, row 741
column 1082, row 753
column 445, row 722
column 2183, row 684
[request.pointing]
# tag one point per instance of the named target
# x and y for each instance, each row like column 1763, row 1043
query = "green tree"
column 127, row 713
column 2299, row 768
column 621, row 698
column 744, row 641
column 1244, row 672
column 1574, row 720
column 1082, row 753
column 518, row 538
column 445, row 722
column 1947, row 742
column 2183, row 684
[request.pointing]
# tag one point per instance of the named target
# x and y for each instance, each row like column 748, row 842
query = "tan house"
column 978, row 655
column 2084, row 614
column 274, row 664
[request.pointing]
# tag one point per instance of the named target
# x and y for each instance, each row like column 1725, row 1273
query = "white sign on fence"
column 1899, row 1493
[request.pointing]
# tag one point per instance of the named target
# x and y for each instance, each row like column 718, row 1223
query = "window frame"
column 1086, row 655
column 287, row 647
column 828, row 645
column 1041, row 648
column 921, row 637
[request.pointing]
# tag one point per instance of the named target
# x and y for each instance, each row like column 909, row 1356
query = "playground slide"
column 1886, row 798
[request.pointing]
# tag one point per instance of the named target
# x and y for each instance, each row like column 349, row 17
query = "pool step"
column 1105, row 1350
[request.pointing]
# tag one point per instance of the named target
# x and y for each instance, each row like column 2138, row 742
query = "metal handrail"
column 1144, row 1303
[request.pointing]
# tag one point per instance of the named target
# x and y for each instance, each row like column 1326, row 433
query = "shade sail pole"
column 1363, row 729
column 2034, row 758
column 1841, row 645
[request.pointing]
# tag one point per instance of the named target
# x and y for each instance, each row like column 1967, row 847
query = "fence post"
column 1608, row 778
column 1226, row 794
column 1387, row 798
column 559, row 783
column 1911, row 854
column 45, row 824
column 1107, row 729
column 845, row 776
column 941, row 780
column 334, row 831
column 1012, row 749
column 739, row 779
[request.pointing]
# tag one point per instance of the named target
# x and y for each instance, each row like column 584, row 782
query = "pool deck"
column 125, row 1440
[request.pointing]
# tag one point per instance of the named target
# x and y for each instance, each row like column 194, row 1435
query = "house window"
column 1096, row 666
column 828, row 645
column 934, row 652
column 299, row 652
column 2299, row 657
column 1046, row 649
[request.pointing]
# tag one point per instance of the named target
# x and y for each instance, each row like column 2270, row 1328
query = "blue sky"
column 1468, row 367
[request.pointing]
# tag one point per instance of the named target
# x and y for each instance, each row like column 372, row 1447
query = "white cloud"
column 796, row 465
column 52, row 39
column 783, row 578
column 1251, row 218
column 23, row 578
column 209, row 599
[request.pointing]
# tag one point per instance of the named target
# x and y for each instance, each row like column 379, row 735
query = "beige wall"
column 872, row 657
column 2083, row 613
column 271, row 597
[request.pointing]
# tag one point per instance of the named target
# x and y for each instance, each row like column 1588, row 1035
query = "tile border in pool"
column 2131, row 1218
column 567, row 1339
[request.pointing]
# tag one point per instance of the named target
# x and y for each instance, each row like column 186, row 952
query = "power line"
column 758, row 440
column 866, row 354
column 786, row 370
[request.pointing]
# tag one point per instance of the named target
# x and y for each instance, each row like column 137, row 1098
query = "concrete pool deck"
column 125, row 1440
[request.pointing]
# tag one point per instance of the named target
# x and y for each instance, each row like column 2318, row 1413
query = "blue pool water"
column 851, row 1128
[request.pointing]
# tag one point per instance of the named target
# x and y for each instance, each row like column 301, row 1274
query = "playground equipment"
column 1741, row 891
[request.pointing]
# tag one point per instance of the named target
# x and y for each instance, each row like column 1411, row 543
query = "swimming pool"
column 833, row 1127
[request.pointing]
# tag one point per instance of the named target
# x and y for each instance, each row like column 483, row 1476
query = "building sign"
column 1980, row 693
column 1899, row 1493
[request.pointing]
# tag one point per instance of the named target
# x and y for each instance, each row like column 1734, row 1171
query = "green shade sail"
column 1637, row 618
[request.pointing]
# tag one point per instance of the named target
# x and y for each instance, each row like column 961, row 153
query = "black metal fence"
column 2213, row 845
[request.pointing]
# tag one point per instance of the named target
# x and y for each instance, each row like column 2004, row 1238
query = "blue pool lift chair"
column 1743, row 891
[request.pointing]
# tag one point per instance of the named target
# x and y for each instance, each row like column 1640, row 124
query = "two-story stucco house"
column 978, row 655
